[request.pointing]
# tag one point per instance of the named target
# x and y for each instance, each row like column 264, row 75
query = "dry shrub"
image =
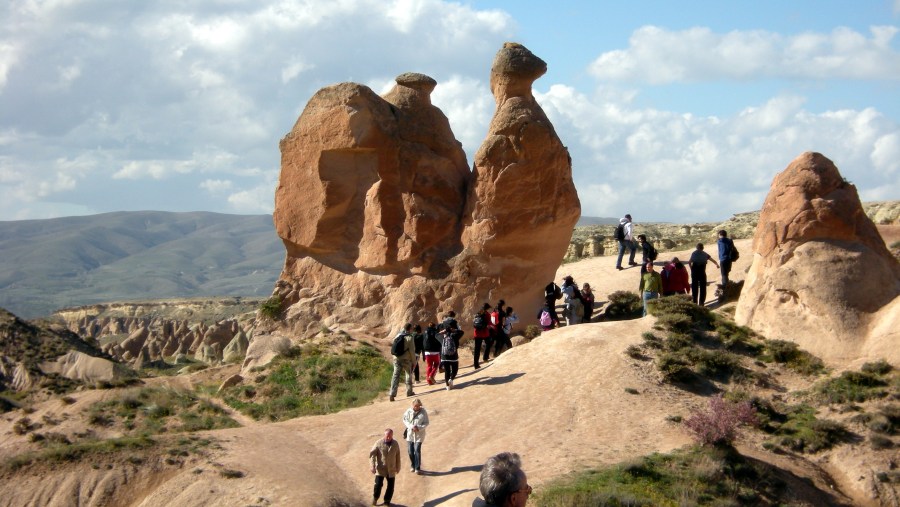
column 720, row 423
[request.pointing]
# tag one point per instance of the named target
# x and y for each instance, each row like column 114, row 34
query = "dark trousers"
column 725, row 268
column 500, row 341
column 551, row 304
column 416, row 370
column 388, row 493
column 450, row 369
column 698, row 286
column 486, row 342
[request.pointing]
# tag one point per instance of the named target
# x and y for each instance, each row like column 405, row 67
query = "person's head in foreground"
column 503, row 482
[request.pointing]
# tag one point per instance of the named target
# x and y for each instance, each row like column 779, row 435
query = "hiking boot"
column 632, row 263
column 391, row 398
column 413, row 470
column 410, row 393
column 620, row 268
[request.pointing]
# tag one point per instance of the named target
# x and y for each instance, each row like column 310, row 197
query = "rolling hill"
column 54, row 263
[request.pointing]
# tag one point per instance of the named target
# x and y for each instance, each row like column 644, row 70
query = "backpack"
column 552, row 291
column 448, row 346
column 734, row 255
column 479, row 322
column 619, row 235
column 546, row 320
column 651, row 252
column 398, row 348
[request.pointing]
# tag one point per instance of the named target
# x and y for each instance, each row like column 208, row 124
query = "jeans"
column 401, row 366
column 725, row 268
column 698, row 286
column 388, row 493
column 414, row 449
column 648, row 295
column 623, row 243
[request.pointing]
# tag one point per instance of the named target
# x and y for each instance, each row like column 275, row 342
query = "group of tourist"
column 578, row 304
column 502, row 483
column 438, row 345
column 674, row 277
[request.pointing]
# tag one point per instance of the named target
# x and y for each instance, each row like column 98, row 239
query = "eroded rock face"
column 822, row 275
column 384, row 223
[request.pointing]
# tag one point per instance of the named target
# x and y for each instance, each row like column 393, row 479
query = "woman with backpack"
column 587, row 299
column 450, row 337
column 432, row 352
column 482, row 333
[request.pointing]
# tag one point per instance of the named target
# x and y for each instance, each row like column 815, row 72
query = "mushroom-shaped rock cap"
column 516, row 61
column 417, row 81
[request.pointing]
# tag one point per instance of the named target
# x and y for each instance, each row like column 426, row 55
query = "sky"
column 671, row 111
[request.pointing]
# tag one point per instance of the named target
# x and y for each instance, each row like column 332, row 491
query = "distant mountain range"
column 74, row 261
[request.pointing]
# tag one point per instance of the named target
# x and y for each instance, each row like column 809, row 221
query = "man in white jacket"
column 626, row 239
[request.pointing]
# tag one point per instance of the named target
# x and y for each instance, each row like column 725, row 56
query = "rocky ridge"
column 212, row 330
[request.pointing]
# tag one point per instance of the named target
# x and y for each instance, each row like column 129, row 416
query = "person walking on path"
column 624, row 235
column 418, row 340
column 498, row 319
column 385, row 461
column 432, row 351
column 416, row 420
column 450, row 353
column 697, row 262
column 587, row 299
column 651, row 285
column 648, row 252
column 503, row 483
column 482, row 333
column 403, row 348
column 726, row 249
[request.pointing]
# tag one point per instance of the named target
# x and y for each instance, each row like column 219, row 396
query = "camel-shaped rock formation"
column 383, row 222
column 821, row 274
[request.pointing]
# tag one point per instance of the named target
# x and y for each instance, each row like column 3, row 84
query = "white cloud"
column 660, row 165
column 260, row 199
column 469, row 106
column 656, row 55
column 216, row 186
column 886, row 154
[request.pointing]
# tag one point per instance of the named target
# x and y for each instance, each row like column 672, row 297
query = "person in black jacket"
column 431, row 347
column 418, row 339
column 450, row 353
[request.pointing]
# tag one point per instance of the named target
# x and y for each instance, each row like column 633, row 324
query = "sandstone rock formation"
column 821, row 274
column 384, row 223
column 162, row 329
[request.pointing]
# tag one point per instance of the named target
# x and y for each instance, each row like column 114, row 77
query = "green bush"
column 674, row 367
column 532, row 331
column 851, row 386
column 880, row 367
column 790, row 354
column 624, row 305
column 271, row 308
column 802, row 431
column 314, row 382
column 688, row 476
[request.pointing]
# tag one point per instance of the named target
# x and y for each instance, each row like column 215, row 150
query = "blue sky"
column 672, row 111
